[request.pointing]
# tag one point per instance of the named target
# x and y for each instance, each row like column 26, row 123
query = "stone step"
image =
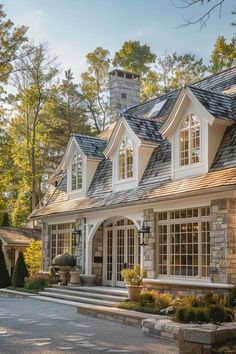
column 96, row 289
column 85, row 294
column 77, row 299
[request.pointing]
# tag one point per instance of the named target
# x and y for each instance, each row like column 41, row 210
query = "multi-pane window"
column 190, row 140
column 126, row 159
column 61, row 239
column 184, row 242
column 76, row 172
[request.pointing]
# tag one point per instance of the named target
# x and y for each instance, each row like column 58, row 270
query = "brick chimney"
column 124, row 92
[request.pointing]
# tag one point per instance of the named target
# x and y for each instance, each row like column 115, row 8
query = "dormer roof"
column 91, row 146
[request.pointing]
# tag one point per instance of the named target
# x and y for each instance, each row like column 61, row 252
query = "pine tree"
column 20, row 272
column 4, row 276
column 6, row 220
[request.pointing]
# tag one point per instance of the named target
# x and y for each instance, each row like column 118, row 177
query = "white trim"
column 196, row 283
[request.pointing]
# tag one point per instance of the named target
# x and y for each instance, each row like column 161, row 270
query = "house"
column 15, row 240
column 169, row 164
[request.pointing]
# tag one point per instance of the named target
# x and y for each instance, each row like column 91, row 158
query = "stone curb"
column 15, row 294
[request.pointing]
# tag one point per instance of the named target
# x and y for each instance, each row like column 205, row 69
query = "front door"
column 121, row 250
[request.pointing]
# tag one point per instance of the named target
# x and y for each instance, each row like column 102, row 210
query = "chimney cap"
column 125, row 74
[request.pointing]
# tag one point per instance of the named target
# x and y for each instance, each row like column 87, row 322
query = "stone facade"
column 97, row 255
column 46, row 247
column 222, row 241
column 150, row 249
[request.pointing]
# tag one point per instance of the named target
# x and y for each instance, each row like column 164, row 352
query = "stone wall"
column 97, row 251
column 222, row 241
column 46, row 247
column 150, row 249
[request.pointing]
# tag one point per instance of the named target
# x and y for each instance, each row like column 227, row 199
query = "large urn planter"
column 64, row 277
column 134, row 292
column 75, row 277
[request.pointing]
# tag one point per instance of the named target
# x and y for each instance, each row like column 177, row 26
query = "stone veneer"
column 97, row 251
column 150, row 249
column 46, row 247
column 222, row 241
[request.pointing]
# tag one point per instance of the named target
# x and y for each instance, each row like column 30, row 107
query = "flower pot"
column 64, row 277
column 75, row 277
column 134, row 292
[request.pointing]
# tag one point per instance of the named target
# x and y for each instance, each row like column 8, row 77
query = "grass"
column 129, row 305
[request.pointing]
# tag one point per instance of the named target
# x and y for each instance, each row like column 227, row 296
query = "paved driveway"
column 34, row 326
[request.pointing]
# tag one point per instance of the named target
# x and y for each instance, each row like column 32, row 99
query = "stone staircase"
column 92, row 295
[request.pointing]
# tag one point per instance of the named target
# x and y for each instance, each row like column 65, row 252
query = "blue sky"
column 74, row 27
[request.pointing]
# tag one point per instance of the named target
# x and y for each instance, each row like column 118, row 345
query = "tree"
column 20, row 272
column 4, row 276
column 33, row 256
column 135, row 57
column 94, row 87
column 6, row 220
column 11, row 40
column 223, row 54
column 30, row 127
column 172, row 71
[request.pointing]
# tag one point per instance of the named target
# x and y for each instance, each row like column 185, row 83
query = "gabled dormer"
column 80, row 161
column 129, row 148
column 195, row 128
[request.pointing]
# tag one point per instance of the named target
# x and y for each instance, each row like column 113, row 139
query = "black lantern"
column 76, row 237
column 144, row 231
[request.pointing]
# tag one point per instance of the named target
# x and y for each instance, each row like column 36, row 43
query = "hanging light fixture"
column 76, row 236
column 144, row 233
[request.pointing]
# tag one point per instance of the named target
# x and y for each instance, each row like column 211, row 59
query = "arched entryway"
column 120, row 249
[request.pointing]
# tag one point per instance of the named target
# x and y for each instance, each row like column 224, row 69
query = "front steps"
column 97, row 295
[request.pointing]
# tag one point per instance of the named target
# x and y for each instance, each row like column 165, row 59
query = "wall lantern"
column 76, row 237
column 144, row 233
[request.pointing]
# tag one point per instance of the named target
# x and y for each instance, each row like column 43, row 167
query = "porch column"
column 88, row 251
column 149, row 251
column 46, row 247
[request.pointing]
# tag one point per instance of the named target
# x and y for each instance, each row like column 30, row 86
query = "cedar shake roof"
column 20, row 237
column 156, row 182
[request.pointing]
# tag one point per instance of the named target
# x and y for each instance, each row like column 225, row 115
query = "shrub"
column 4, row 276
column 190, row 314
column 232, row 297
column 20, row 272
column 202, row 314
column 163, row 300
column 33, row 256
column 180, row 313
column 148, row 298
column 38, row 282
column 217, row 313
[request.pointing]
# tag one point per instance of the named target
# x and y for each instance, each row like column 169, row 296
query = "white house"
column 169, row 163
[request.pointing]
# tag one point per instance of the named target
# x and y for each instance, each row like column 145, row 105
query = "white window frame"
column 189, row 130
column 168, row 222
column 54, row 230
column 79, row 159
column 127, row 141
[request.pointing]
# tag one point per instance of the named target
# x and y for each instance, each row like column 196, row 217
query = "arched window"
column 76, row 172
column 126, row 159
column 190, row 140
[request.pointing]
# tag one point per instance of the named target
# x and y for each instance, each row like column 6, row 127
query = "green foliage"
column 38, row 282
column 218, row 313
column 6, row 220
column 4, row 276
column 147, row 298
column 134, row 57
column 223, row 54
column 180, row 313
column 213, row 313
column 232, row 297
column 128, row 305
column 20, row 272
column 134, row 276
column 33, row 256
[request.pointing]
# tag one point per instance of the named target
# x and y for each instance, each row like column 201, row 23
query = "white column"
column 88, row 251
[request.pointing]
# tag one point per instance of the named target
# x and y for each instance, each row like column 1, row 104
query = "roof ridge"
column 87, row 136
column 217, row 74
column 210, row 91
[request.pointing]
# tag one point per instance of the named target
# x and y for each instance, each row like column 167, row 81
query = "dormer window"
column 76, row 172
column 126, row 159
column 189, row 135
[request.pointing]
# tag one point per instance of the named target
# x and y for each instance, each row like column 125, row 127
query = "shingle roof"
column 218, row 104
column 145, row 129
column 91, row 146
column 17, row 236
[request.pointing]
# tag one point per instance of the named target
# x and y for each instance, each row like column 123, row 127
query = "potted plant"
column 133, row 278
column 65, row 262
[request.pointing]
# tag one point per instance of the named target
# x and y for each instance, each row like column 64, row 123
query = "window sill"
column 188, row 283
